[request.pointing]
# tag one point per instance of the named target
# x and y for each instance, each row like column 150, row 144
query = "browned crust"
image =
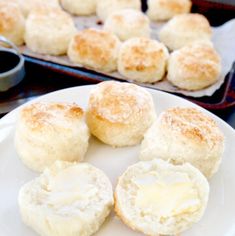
column 200, row 59
column 96, row 45
column 175, row 5
column 112, row 102
column 141, row 55
column 39, row 116
column 193, row 124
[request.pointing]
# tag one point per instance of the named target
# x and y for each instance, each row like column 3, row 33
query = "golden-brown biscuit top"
column 119, row 102
column 142, row 54
column 41, row 116
column 97, row 45
column 175, row 5
column 199, row 59
column 191, row 124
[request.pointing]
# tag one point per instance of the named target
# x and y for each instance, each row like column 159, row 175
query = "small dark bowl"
column 11, row 66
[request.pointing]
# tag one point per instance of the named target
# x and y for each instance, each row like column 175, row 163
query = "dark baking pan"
column 216, row 11
column 43, row 77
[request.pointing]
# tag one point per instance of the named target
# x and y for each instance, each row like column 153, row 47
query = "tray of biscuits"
column 115, row 159
column 166, row 48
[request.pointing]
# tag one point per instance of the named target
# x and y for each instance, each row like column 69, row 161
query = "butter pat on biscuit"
column 156, row 197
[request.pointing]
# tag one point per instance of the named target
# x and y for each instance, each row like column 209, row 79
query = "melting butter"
column 70, row 185
column 167, row 193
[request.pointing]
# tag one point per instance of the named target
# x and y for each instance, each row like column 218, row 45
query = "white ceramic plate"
column 219, row 218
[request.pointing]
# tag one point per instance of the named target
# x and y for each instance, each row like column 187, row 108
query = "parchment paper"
column 223, row 39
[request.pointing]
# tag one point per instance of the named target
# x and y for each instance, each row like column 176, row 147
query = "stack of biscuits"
column 165, row 193
column 184, row 54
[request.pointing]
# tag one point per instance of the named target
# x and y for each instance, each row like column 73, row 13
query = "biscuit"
column 49, row 31
column 161, row 10
column 194, row 67
column 158, row 198
column 79, row 7
column 182, row 135
column 185, row 29
column 12, row 22
column 128, row 23
column 67, row 199
column 120, row 113
column 27, row 6
column 47, row 132
column 106, row 7
column 95, row 49
column 143, row 60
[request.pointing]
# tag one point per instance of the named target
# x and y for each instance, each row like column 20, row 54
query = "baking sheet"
column 223, row 39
